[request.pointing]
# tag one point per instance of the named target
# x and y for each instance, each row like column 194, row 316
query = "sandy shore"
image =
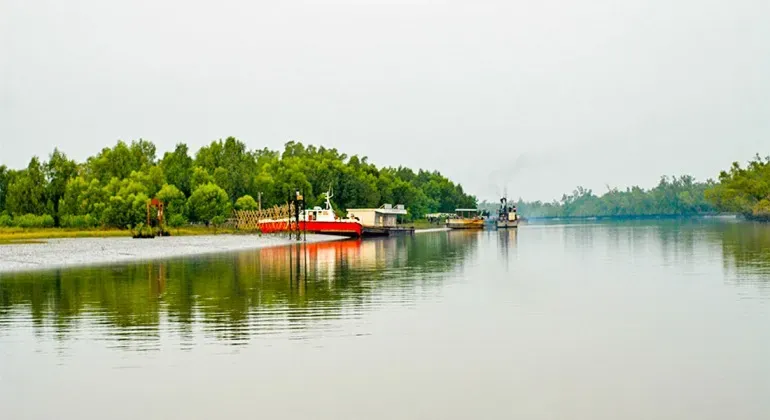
column 56, row 253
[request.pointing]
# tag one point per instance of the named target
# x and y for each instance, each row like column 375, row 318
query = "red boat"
column 317, row 220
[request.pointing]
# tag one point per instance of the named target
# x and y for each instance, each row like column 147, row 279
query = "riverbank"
column 67, row 252
column 625, row 218
column 15, row 234
column 420, row 224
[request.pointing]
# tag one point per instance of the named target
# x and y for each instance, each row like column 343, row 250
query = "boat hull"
column 465, row 223
column 340, row 228
column 505, row 224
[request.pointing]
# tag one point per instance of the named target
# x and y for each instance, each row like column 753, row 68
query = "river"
column 611, row 320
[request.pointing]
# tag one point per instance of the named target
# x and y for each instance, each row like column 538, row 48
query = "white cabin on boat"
column 385, row 216
column 317, row 214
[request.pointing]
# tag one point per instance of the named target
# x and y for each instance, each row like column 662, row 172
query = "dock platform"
column 387, row 231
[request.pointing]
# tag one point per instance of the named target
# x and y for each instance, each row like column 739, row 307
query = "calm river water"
column 643, row 320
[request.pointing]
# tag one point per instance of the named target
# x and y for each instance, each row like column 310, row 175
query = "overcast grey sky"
column 538, row 96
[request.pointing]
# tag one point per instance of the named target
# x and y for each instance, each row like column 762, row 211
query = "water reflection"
column 506, row 242
column 233, row 297
column 746, row 251
column 304, row 289
column 554, row 321
column 744, row 247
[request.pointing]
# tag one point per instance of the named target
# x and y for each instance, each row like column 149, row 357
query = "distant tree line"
column 739, row 190
column 112, row 187
column 674, row 196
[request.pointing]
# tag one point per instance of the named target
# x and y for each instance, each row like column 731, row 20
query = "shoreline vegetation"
column 675, row 196
column 740, row 191
column 108, row 194
column 112, row 188
column 10, row 236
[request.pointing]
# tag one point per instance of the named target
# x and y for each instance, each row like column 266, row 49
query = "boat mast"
column 328, row 195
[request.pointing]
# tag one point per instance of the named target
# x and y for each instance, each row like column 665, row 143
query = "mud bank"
column 57, row 253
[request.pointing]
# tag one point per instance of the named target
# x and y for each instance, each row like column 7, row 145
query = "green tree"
column 223, row 179
column 26, row 190
column 246, row 202
column 143, row 153
column 200, row 177
column 178, row 166
column 121, row 160
column 237, row 164
column 59, row 170
column 5, row 176
column 743, row 190
column 207, row 202
column 126, row 210
column 82, row 198
column 116, row 162
column 173, row 199
column 151, row 178
column 671, row 197
column 73, row 202
column 109, row 182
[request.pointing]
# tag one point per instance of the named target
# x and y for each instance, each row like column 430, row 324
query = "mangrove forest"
column 112, row 187
column 740, row 190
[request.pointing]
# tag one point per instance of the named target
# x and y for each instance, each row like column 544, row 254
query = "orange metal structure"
column 158, row 206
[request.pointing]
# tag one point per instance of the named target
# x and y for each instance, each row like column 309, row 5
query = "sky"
column 532, row 98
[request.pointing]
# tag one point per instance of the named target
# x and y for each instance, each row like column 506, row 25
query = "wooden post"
column 296, row 213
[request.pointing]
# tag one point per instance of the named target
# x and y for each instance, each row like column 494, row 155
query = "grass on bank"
column 35, row 235
column 424, row 224
column 17, row 235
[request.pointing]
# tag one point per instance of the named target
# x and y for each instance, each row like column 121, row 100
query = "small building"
column 383, row 217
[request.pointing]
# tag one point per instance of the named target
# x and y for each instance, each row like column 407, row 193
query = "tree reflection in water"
column 232, row 297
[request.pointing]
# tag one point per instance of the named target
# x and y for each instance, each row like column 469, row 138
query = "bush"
column 6, row 220
column 173, row 199
column 176, row 220
column 79, row 222
column 33, row 221
column 246, row 203
column 207, row 202
column 125, row 211
column 761, row 210
column 48, row 221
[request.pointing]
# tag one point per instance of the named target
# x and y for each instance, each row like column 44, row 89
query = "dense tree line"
column 744, row 190
column 112, row 187
column 739, row 190
column 675, row 196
